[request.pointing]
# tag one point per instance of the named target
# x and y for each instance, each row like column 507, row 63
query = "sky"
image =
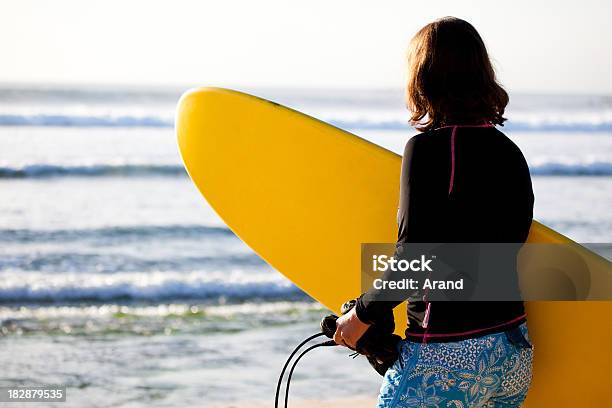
column 537, row 46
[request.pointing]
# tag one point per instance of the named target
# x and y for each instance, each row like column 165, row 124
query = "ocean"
column 119, row 281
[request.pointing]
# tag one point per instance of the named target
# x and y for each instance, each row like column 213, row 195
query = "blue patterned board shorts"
column 488, row 371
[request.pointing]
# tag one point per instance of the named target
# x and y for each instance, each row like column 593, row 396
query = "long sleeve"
column 371, row 304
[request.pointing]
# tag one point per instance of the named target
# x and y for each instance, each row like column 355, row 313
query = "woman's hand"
column 349, row 329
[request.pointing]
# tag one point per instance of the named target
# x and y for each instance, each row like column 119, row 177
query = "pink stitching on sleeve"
column 452, row 175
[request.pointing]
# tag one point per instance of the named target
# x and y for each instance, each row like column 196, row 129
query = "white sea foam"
column 42, row 170
column 558, row 122
column 549, row 166
column 20, row 286
column 571, row 168
column 43, row 312
column 370, row 109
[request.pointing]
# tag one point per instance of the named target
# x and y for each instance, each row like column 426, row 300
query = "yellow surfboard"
column 304, row 195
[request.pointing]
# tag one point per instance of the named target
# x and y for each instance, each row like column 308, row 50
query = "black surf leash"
column 280, row 378
column 378, row 344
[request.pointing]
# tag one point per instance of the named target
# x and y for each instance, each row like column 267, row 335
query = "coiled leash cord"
column 378, row 344
column 327, row 343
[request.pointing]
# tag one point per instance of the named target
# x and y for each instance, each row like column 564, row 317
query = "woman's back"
column 464, row 185
column 475, row 188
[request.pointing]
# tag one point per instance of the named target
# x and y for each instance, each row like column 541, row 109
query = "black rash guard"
column 459, row 184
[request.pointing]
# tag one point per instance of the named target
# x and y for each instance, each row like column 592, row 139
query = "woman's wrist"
column 361, row 311
column 349, row 329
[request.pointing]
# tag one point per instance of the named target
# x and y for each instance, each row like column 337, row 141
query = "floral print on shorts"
column 488, row 371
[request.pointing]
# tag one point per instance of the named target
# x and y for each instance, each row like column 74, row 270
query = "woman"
column 462, row 181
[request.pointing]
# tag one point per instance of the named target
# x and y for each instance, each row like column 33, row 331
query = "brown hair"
column 450, row 78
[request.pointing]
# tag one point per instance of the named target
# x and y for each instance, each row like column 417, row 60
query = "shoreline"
column 353, row 402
